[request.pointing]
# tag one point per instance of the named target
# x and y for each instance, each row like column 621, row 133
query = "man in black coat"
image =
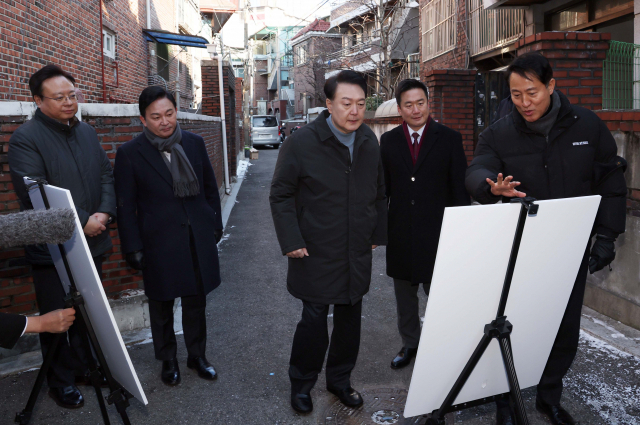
column 329, row 210
column 56, row 147
column 170, row 221
column 14, row 325
column 424, row 165
column 554, row 150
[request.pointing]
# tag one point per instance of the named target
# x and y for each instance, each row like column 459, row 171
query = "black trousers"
column 565, row 345
column 310, row 344
column 194, row 320
column 407, row 303
column 70, row 359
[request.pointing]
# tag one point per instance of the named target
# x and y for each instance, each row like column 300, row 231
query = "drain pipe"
column 148, row 14
column 227, row 185
column 104, row 83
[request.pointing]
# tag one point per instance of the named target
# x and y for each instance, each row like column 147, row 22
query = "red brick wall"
column 124, row 18
column 451, row 102
column 68, row 34
column 211, row 106
column 260, row 83
column 16, row 289
column 576, row 58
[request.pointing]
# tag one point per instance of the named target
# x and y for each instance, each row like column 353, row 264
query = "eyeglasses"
column 71, row 97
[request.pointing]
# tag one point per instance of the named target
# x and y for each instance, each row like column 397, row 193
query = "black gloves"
column 218, row 234
column 602, row 253
column 135, row 260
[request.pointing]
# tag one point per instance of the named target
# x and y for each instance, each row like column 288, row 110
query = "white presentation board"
column 88, row 283
column 471, row 263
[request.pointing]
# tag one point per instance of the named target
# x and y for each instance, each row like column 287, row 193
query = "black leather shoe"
column 302, row 403
column 403, row 358
column 348, row 396
column 170, row 372
column 68, row 397
column 202, row 366
column 503, row 417
column 556, row 414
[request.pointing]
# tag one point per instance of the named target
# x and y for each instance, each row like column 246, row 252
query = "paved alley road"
column 251, row 319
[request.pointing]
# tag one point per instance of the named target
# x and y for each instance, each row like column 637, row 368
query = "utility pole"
column 247, row 94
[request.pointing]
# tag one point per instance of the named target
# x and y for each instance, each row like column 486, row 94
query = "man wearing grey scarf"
column 169, row 224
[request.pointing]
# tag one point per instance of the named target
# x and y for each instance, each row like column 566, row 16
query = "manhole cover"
column 382, row 406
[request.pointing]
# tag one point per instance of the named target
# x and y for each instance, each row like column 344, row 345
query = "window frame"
column 109, row 35
column 438, row 32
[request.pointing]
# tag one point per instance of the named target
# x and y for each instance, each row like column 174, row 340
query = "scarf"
column 546, row 122
column 185, row 182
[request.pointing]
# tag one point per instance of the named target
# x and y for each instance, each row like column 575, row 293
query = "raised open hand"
column 506, row 187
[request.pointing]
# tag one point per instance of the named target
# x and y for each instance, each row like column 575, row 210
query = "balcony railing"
column 354, row 50
column 492, row 29
column 621, row 76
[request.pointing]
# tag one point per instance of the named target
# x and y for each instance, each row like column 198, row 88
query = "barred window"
column 438, row 28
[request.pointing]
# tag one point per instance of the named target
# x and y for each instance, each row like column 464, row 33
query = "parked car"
column 265, row 131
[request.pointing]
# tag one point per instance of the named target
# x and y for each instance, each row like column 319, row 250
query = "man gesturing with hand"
column 329, row 209
column 550, row 149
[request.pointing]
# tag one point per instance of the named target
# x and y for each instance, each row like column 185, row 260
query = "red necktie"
column 414, row 151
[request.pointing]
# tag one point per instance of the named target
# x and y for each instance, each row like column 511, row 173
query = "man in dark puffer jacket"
column 554, row 150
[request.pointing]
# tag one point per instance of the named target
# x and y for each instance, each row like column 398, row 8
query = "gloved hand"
column 218, row 234
column 602, row 253
column 135, row 260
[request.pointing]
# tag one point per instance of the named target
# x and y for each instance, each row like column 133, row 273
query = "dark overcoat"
column 418, row 195
column 334, row 207
column 577, row 158
column 69, row 157
column 153, row 219
column 12, row 326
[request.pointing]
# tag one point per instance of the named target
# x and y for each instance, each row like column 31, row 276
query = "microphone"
column 33, row 227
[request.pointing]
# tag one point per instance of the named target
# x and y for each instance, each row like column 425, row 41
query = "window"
column 109, row 43
column 590, row 14
column 265, row 122
column 162, row 61
column 301, row 54
column 438, row 28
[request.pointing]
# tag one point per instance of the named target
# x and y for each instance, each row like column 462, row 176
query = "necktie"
column 414, row 151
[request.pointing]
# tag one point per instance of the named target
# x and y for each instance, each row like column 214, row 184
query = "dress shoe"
column 301, row 403
column 68, row 397
column 403, row 358
column 202, row 366
column 504, row 417
column 348, row 396
column 556, row 414
column 170, row 372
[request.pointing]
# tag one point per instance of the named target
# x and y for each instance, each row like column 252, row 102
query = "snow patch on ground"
column 602, row 381
column 243, row 166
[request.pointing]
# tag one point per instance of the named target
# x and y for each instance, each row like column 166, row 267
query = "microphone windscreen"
column 33, row 227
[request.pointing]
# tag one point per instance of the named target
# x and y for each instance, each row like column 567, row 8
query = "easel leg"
column 117, row 396
column 24, row 417
column 94, row 371
column 512, row 377
column 438, row 417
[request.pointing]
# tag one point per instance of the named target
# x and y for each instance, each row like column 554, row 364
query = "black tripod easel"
column 500, row 328
column 118, row 395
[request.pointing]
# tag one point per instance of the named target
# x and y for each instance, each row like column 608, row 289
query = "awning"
column 166, row 37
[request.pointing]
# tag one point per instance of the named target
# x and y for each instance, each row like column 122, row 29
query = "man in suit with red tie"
column 424, row 169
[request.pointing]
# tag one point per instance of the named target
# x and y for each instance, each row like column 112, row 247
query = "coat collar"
column 152, row 156
column 326, row 134
column 566, row 117
column 429, row 138
column 55, row 124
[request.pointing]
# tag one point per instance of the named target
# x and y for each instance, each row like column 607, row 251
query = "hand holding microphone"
column 57, row 321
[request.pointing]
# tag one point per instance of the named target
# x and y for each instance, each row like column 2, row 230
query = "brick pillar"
column 576, row 58
column 451, row 102
column 211, row 105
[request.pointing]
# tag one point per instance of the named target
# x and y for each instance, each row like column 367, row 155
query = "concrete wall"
column 616, row 293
